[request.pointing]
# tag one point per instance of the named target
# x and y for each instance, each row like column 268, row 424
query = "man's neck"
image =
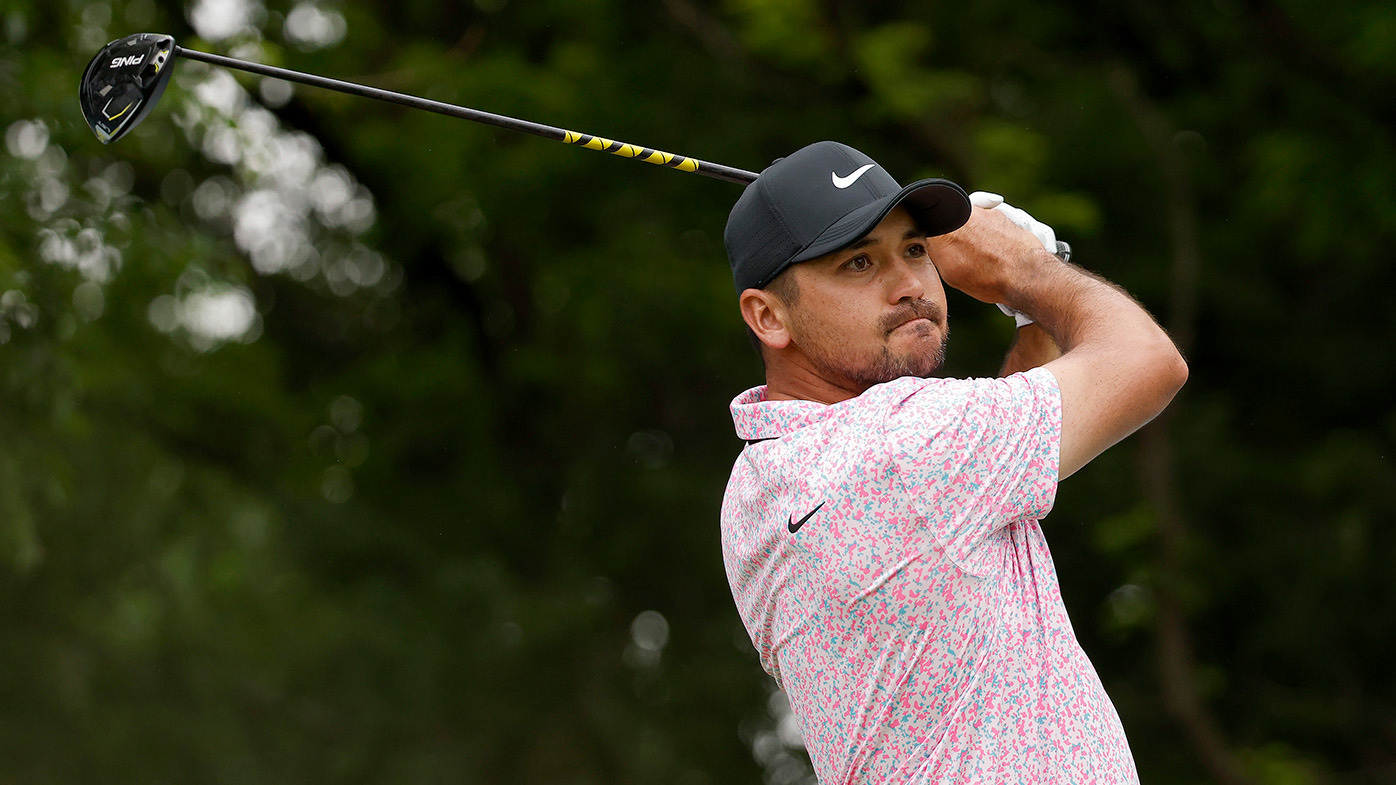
column 794, row 378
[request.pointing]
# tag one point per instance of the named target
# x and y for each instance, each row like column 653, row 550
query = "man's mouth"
column 912, row 313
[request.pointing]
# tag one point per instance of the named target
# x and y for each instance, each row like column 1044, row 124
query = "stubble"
column 851, row 369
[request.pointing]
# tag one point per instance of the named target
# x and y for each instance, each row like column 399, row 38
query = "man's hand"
column 989, row 252
column 991, row 201
column 1046, row 234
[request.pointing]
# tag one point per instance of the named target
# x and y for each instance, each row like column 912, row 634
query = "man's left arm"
column 1032, row 347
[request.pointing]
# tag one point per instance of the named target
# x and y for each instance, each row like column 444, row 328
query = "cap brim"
column 938, row 207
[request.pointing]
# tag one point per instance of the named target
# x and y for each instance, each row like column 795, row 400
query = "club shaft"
column 682, row 163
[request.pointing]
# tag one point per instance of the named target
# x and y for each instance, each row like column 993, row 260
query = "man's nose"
column 903, row 282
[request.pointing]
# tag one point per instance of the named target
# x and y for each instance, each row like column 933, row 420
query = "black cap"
column 821, row 198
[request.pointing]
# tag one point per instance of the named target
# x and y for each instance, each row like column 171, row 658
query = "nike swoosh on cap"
column 844, row 182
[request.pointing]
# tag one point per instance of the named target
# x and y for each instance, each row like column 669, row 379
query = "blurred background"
column 344, row 443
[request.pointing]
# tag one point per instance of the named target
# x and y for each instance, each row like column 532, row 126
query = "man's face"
column 871, row 312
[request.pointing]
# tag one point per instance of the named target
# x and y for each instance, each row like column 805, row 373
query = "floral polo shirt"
column 885, row 556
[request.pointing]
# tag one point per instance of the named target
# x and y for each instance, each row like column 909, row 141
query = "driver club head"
column 123, row 82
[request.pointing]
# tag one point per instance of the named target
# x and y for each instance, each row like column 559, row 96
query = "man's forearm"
column 1073, row 305
column 1032, row 347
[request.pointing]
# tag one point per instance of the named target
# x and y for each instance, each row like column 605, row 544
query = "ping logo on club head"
column 117, row 62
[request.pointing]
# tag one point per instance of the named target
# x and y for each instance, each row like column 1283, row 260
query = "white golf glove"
column 1040, row 230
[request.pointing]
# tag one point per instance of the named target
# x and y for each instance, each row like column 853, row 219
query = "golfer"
column 880, row 528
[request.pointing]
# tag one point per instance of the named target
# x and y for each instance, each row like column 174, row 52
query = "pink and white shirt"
column 886, row 558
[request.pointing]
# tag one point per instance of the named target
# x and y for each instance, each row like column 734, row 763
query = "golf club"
column 128, row 75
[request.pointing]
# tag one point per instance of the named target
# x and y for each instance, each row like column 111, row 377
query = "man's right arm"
column 1118, row 368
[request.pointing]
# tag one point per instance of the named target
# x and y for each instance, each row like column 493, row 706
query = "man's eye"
column 916, row 251
column 858, row 263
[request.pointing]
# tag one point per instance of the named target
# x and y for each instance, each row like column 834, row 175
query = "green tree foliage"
column 345, row 443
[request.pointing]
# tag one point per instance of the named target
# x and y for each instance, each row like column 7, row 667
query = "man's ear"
column 767, row 316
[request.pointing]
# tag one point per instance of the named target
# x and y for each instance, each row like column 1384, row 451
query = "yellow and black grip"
column 659, row 157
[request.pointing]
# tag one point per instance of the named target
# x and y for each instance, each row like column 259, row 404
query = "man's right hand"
column 985, row 256
column 1044, row 233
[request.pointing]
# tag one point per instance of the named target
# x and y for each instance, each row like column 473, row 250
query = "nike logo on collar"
column 844, row 182
column 793, row 526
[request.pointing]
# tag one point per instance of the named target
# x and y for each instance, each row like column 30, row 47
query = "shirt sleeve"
column 976, row 455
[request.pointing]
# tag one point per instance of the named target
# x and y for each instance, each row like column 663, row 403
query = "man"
column 880, row 528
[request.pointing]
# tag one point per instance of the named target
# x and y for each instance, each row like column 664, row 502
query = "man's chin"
column 920, row 352
column 923, row 356
column 890, row 367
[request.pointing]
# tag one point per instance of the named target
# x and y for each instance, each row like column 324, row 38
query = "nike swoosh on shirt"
column 793, row 526
column 844, row 182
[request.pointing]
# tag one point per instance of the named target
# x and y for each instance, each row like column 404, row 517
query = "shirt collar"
column 757, row 418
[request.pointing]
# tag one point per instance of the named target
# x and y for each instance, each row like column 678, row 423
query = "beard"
column 862, row 371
